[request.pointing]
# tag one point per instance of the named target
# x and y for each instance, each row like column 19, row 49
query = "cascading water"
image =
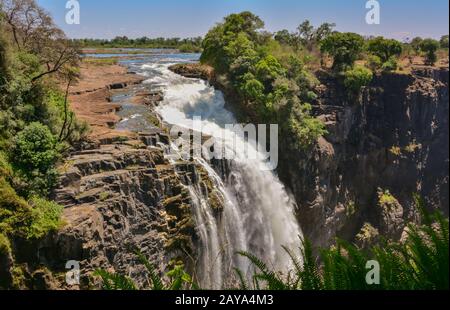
column 258, row 215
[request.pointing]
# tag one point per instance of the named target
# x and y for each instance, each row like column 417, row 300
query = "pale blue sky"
column 188, row 18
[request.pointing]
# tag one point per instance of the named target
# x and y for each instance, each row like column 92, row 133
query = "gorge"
column 160, row 204
column 126, row 164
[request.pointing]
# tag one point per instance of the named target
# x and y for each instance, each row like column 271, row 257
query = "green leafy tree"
column 225, row 42
column 246, row 22
column 214, row 49
column 251, row 88
column 310, row 36
column 284, row 37
column 385, row 48
column 344, row 48
column 36, row 148
column 430, row 47
column 36, row 153
column 268, row 70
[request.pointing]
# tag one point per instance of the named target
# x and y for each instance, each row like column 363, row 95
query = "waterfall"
column 258, row 214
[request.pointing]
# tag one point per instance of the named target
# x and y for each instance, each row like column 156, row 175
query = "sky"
column 400, row 19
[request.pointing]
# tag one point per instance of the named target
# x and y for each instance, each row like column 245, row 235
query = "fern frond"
column 157, row 283
column 112, row 281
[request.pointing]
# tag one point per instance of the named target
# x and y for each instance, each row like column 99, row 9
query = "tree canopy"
column 385, row 48
column 344, row 48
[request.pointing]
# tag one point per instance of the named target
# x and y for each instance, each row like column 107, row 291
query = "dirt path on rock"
column 89, row 98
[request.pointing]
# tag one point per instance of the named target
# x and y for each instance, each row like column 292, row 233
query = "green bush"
column 305, row 128
column 46, row 217
column 390, row 65
column 36, row 152
column 15, row 213
column 35, row 148
column 30, row 220
column 356, row 78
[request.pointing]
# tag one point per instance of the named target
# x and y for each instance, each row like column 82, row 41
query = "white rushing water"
column 259, row 214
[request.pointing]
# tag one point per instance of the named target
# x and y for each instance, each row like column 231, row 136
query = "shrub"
column 15, row 213
column 356, row 78
column 35, row 155
column 390, row 65
column 46, row 217
column 36, row 148
column 305, row 128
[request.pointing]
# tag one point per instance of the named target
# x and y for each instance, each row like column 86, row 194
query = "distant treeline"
column 185, row 45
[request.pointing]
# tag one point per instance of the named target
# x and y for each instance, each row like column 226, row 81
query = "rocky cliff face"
column 393, row 137
column 119, row 197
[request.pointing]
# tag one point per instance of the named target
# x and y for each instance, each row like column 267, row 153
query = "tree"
column 251, row 88
column 243, row 22
column 268, row 70
column 213, row 48
column 36, row 153
column 284, row 37
column 324, row 31
column 223, row 43
column 444, row 41
column 34, row 31
column 344, row 48
column 309, row 36
column 36, row 148
column 384, row 48
column 429, row 47
column 306, row 32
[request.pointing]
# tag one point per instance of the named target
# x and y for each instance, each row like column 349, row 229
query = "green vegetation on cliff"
column 270, row 78
column 36, row 125
column 273, row 74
